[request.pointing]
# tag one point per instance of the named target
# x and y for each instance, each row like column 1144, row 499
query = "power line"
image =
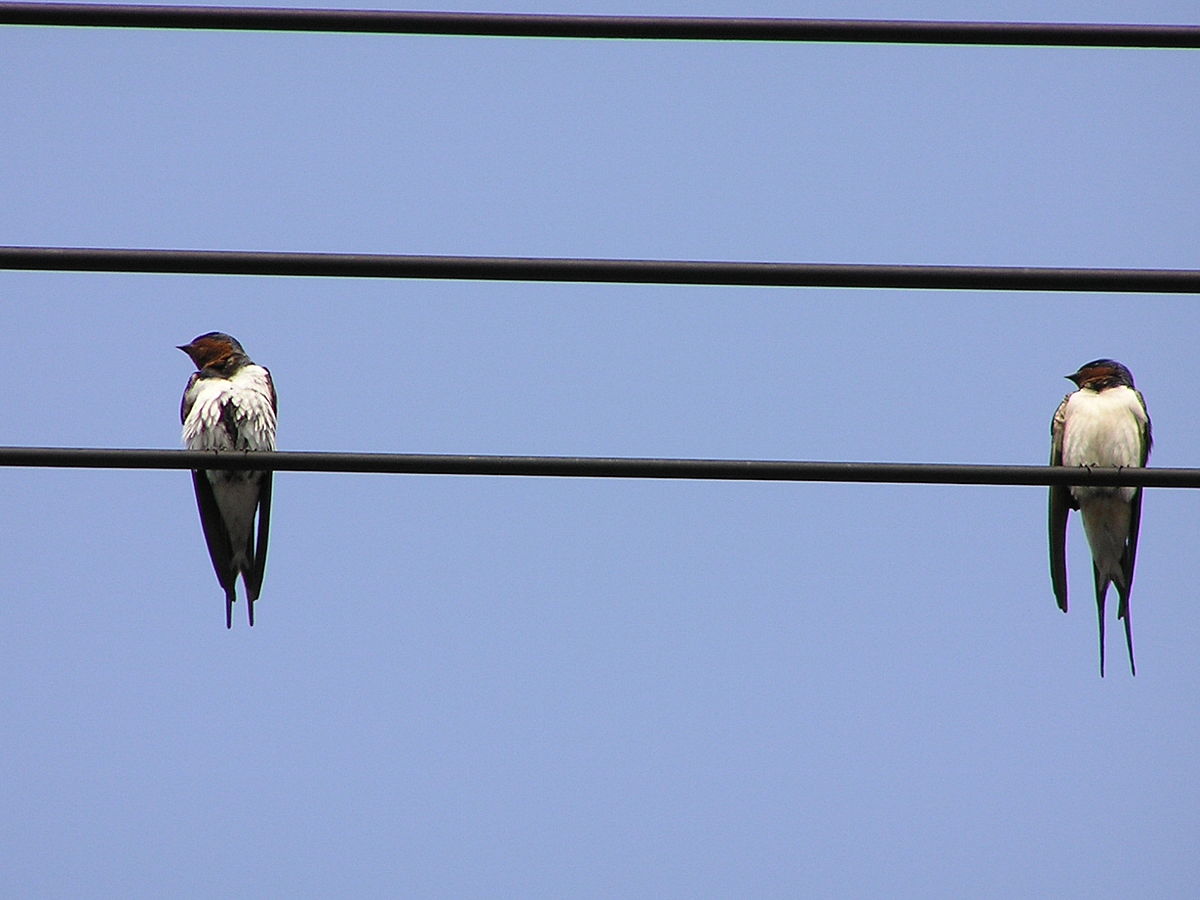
column 109, row 15
column 625, row 271
column 594, row 467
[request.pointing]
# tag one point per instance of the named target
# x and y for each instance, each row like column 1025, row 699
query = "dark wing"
column 1135, row 519
column 275, row 401
column 254, row 578
column 216, row 535
column 1061, row 503
column 185, row 405
column 1127, row 561
column 1147, row 437
column 1129, row 557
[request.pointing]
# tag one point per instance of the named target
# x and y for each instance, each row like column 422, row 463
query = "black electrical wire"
column 626, row 271
column 594, row 467
column 110, row 15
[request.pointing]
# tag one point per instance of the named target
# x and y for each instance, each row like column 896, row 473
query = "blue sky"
column 506, row 687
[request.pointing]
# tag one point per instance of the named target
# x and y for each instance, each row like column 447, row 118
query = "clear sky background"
column 512, row 687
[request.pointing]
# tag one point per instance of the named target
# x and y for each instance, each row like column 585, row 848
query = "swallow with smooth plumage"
column 1103, row 423
column 229, row 404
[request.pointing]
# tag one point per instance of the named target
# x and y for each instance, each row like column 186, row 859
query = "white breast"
column 1103, row 429
column 247, row 395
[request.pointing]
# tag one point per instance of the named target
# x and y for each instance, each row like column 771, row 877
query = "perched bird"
column 1104, row 423
column 229, row 404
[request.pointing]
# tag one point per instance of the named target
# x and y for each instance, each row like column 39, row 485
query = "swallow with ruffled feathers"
column 229, row 404
column 1103, row 423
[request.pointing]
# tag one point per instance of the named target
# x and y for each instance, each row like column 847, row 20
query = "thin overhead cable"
column 626, row 271
column 109, row 15
column 594, row 467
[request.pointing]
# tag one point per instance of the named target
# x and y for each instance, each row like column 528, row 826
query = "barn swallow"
column 1103, row 423
column 229, row 404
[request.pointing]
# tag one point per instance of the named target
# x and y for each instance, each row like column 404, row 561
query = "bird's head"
column 1102, row 373
column 216, row 351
